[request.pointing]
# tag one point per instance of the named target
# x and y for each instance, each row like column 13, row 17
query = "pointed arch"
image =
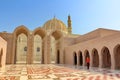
column 80, row 58
column 41, row 32
column 54, row 51
column 21, row 29
column 37, row 49
column 55, row 45
column 117, row 56
column 95, row 58
column 75, row 58
column 21, row 48
column 57, row 34
column 86, row 54
column 106, row 57
column 18, row 31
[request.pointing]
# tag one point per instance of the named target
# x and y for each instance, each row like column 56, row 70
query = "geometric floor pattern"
column 56, row 72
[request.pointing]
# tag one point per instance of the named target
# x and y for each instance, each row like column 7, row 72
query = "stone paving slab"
column 56, row 72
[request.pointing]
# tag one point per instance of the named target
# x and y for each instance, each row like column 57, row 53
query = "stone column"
column 29, row 49
column 58, row 48
column 13, row 57
column 44, row 50
column 112, row 59
column 62, row 52
column 1, row 59
column 100, row 59
column 84, row 62
column 78, row 59
column 42, row 58
column 48, row 49
column 91, row 59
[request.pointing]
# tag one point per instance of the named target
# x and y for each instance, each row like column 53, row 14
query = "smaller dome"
column 55, row 24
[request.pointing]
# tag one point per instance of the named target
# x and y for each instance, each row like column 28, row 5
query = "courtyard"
column 56, row 72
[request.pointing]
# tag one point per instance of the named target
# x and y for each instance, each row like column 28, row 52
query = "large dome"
column 55, row 24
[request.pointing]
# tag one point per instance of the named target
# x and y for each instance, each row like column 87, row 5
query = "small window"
column 38, row 49
column 25, row 48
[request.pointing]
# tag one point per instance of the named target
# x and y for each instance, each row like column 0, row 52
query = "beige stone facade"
column 42, row 45
column 3, row 47
column 102, row 45
column 55, row 43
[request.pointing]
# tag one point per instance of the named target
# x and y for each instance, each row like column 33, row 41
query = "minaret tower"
column 69, row 25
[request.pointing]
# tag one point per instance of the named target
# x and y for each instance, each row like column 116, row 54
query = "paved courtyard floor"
column 56, row 72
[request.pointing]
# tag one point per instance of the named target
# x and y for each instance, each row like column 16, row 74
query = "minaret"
column 69, row 25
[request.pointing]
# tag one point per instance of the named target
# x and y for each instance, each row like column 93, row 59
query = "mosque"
column 54, row 43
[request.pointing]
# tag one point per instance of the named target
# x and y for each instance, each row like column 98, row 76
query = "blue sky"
column 86, row 15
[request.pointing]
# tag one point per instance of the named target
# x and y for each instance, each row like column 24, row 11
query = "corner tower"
column 69, row 25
